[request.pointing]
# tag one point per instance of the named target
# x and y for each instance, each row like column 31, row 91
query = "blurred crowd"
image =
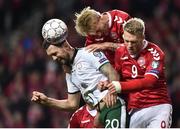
column 24, row 66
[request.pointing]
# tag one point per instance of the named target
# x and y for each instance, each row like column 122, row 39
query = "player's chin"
column 131, row 52
column 61, row 61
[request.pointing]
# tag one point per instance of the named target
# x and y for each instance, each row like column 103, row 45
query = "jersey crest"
column 155, row 64
column 141, row 61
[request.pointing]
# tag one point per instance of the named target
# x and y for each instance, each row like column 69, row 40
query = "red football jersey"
column 149, row 61
column 116, row 20
column 82, row 118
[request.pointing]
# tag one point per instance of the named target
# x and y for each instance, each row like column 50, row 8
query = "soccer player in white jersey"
column 87, row 69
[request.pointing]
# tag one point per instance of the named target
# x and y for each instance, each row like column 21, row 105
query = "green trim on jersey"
column 103, row 65
column 111, row 117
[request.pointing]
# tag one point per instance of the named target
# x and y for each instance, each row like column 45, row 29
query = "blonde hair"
column 85, row 19
column 134, row 26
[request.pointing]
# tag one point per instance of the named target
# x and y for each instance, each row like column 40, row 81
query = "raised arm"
column 71, row 103
column 102, row 46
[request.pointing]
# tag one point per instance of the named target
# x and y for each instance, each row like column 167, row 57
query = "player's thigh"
column 138, row 119
column 153, row 117
column 163, row 118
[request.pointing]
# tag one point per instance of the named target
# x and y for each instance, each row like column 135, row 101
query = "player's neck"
column 73, row 54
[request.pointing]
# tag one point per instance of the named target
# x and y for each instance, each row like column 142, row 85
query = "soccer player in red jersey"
column 103, row 31
column 83, row 118
column 141, row 66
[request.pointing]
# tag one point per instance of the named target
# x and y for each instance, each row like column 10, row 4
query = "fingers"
column 101, row 85
column 93, row 47
column 110, row 100
column 111, row 88
column 90, row 48
column 35, row 96
column 114, row 99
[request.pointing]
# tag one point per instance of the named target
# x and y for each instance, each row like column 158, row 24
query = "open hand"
column 110, row 99
column 97, row 47
column 111, row 88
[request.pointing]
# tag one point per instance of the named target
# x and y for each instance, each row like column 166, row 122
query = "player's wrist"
column 117, row 86
column 47, row 101
column 113, row 46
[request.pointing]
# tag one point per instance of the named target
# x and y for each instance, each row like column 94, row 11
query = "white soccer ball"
column 54, row 30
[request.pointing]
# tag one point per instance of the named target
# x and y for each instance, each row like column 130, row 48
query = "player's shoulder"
column 80, row 110
column 120, row 12
column 120, row 51
column 152, row 46
column 82, row 52
column 154, row 51
column 121, row 48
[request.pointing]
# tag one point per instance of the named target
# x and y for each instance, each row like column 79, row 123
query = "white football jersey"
column 85, row 75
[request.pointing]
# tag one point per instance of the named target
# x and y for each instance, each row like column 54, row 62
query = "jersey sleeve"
column 89, row 41
column 74, row 121
column 125, row 16
column 97, row 59
column 70, row 86
column 155, row 62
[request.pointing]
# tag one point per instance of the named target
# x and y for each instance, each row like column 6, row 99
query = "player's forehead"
column 94, row 22
column 129, row 36
column 51, row 49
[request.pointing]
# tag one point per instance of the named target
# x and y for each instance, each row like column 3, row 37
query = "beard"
column 64, row 62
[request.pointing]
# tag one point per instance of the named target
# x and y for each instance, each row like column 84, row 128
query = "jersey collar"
column 74, row 55
column 110, row 19
column 92, row 112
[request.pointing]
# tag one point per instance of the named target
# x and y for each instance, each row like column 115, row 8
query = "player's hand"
column 96, row 47
column 39, row 97
column 110, row 99
column 102, row 46
column 114, row 87
column 102, row 85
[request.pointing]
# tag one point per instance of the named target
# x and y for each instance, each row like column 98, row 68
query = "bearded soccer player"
column 103, row 31
column 85, row 71
column 141, row 66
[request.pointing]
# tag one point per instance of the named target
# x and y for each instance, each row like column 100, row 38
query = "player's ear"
column 143, row 36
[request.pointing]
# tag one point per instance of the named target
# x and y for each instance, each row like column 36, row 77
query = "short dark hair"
column 46, row 44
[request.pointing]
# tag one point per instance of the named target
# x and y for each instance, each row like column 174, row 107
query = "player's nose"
column 130, row 45
column 54, row 58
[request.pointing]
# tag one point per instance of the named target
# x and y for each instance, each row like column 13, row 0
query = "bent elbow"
column 74, row 106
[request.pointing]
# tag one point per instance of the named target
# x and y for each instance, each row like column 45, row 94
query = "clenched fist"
column 39, row 97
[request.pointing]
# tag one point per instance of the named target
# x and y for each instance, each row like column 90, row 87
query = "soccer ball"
column 54, row 31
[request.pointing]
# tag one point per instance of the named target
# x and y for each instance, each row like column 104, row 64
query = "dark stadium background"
column 24, row 66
